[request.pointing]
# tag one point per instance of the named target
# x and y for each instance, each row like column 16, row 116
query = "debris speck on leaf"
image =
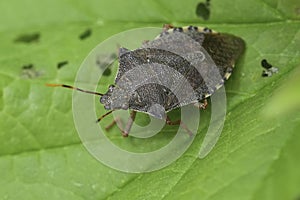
column 29, row 66
column 104, row 62
column 28, row 38
column 87, row 33
column 269, row 70
column 29, row 72
column 61, row 64
column 203, row 10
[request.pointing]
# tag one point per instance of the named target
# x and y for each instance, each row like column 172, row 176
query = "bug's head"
column 114, row 100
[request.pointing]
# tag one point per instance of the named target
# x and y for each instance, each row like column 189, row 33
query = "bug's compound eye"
column 106, row 101
column 103, row 99
column 110, row 88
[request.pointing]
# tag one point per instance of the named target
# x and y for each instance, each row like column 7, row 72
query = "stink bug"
column 190, row 52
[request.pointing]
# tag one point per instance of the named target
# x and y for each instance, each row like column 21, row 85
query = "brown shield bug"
column 171, row 49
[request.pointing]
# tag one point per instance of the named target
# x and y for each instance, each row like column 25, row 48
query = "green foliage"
column 41, row 156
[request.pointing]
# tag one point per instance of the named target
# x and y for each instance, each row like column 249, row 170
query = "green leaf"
column 41, row 155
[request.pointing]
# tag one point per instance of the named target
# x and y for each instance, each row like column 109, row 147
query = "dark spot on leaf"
column 265, row 73
column 265, row 64
column 29, row 66
column 107, row 72
column 297, row 197
column 104, row 62
column 29, row 72
column 203, row 10
column 269, row 70
column 297, row 11
column 87, row 33
column 61, row 64
column 28, row 38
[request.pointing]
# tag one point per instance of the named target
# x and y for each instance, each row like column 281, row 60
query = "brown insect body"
column 223, row 49
column 153, row 79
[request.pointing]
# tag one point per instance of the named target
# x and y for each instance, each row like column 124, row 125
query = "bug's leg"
column 179, row 122
column 115, row 121
column 129, row 124
column 145, row 42
column 167, row 27
column 100, row 118
column 110, row 125
column 201, row 104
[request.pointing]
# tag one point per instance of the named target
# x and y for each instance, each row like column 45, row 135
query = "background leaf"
column 41, row 156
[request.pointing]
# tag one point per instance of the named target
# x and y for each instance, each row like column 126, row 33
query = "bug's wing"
column 224, row 49
column 212, row 54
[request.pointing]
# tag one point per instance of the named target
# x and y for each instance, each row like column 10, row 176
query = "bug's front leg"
column 179, row 122
column 117, row 121
column 129, row 124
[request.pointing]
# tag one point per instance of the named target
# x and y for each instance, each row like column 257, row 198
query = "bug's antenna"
column 73, row 88
column 100, row 118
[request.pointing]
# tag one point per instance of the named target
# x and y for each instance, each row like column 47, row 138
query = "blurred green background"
column 41, row 156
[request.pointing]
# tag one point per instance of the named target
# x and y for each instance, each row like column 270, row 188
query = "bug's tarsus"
column 73, row 88
column 124, row 134
column 169, row 122
column 179, row 122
